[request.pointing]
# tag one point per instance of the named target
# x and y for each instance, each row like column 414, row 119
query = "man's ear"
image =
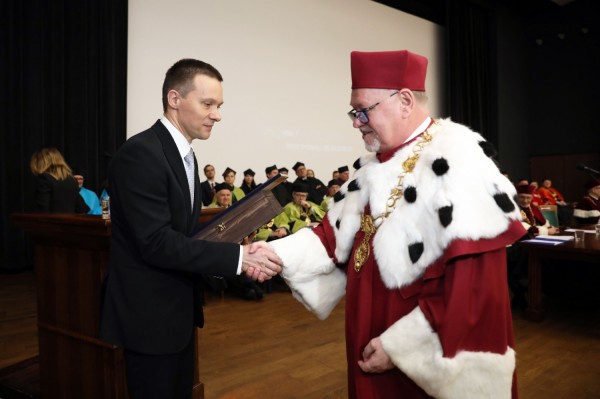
column 407, row 100
column 173, row 98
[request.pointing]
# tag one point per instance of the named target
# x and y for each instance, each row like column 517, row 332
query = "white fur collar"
column 476, row 199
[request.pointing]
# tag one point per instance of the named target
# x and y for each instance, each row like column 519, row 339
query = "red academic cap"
column 524, row 189
column 388, row 70
column 591, row 184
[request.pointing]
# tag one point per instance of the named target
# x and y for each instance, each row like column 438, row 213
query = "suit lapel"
column 176, row 163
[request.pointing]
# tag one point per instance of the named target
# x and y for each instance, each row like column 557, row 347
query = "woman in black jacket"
column 56, row 190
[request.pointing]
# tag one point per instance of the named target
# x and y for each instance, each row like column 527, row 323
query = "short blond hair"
column 50, row 160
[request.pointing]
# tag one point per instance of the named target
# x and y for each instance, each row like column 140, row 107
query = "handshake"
column 260, row 262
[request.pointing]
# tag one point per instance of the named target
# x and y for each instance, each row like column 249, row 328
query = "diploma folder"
column 244, row 216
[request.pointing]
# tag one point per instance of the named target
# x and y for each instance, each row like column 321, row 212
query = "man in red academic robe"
column 587, row 210
column 415, row 240
column 550, row 195
column 533, row 220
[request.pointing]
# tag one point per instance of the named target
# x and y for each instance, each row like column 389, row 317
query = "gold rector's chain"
column 368, row 224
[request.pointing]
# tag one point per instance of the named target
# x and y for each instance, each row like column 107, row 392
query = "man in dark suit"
column 152, row 294
column 208, row 185
column 316, row 190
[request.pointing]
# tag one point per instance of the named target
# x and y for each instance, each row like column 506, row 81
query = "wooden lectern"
column 71, row 257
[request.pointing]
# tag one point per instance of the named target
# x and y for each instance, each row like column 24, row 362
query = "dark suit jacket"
column 206, row 198
column 58, row 196
column 152, row 297
column 317, row 189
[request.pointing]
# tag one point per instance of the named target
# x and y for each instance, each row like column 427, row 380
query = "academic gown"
column 587, row 210
column 433, row 288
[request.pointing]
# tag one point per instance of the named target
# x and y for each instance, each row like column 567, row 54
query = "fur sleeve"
column 311, row 274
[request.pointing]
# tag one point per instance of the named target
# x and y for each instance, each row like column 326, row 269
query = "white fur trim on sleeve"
column 416, row 350
column 314, row 279
column 580, row 213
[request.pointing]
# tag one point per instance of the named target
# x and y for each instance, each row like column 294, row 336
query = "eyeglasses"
column 361, row 114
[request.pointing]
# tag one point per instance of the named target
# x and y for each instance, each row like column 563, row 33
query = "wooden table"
column 587, row 250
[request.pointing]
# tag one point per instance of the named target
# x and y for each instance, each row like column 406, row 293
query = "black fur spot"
column 356, row 165
column 488, row 149
column 353, row 186
column 339, row 196
column 504, row 202
column 516, row 199
column 410, row 194
column 440, row 166
column 337, row 223
column 415, row 251
column 445, row 215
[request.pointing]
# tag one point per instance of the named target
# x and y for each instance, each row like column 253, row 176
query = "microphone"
column 588, row 169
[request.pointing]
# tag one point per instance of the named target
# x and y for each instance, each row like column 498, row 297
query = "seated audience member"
column 91, row 198
column 300, row 211
column 229, row 177
column 208, row 185
column 276, row 228
column 335, row 175
column 222, row 198
column 344, row 174
column 282, row 191
column 56, row 189
column 286, row 184
column 310, row 173
column 550, row 195
column 587, row 210
column 248, row 184
column 283, row 171
column 332, row 188
column 537, row 198
column 535, row 224
column 316, row 188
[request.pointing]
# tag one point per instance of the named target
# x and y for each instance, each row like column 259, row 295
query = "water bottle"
column 105, row 205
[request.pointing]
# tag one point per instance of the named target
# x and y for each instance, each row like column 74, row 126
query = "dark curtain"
column 64, row 69
column 472, row 91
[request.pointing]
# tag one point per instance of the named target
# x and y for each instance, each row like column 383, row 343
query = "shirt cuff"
column 239, row 268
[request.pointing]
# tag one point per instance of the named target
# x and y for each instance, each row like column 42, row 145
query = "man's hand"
column 260, row 262
column 280, row 232
column 375, row 360
column 305, row 204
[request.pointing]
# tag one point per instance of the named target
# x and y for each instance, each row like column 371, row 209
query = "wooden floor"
column 275, row 349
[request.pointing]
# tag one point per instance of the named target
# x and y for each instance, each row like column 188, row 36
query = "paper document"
column 550, row 240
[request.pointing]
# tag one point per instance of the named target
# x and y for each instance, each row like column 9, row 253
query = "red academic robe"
column 434, row 287
column 446, row 294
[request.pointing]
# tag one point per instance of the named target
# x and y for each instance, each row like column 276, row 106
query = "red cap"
column 524, row 189
column 388, row 70
column 591, row 184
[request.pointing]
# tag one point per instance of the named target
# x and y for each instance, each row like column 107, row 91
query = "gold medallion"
column 364, row 250
column 368, row 224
